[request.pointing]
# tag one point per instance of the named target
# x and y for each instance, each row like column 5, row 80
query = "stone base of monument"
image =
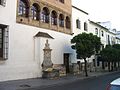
column 50, row 73
column 61, row 68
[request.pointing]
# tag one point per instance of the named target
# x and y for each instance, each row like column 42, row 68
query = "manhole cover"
column 25, row 85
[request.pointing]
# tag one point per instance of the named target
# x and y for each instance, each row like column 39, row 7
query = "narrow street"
column 94, row 83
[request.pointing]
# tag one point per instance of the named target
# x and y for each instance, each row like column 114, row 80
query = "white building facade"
column 107, row 37
column 22, row 39
column 22, row 52
column 79, row 24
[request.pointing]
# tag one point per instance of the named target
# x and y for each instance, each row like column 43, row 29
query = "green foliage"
column 117, row 46
column 85, row 45
column 111, row 53
column 117, row 53
column 106, row 53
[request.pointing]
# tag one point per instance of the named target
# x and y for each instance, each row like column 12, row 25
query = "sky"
column 101, row 10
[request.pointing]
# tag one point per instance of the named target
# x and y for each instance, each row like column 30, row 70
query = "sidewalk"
column 39, row 82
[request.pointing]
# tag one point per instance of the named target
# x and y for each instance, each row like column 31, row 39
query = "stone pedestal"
column 47, row 65
column 51, row 74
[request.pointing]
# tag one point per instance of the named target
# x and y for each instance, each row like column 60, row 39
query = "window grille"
column 4, row 42
column 3, row 2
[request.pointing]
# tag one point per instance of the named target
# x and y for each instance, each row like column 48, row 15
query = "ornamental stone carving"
column 47, row 63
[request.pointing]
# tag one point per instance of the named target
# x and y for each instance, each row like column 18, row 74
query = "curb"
column 66, row 82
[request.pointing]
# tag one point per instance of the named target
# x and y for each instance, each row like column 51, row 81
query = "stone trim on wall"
column 38, row 23
column 42, row 34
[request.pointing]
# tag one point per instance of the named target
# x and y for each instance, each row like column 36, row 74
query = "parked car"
column 114, row 85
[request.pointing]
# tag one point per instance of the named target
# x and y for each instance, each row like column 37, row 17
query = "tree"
column 107, row 54
column 117, row 46
column 85, row 45
column 110, row 54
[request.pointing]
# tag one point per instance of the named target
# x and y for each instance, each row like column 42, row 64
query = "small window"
column 85, row 26
column 0, row 2
column 108, row 40
column 3, row 42
column 102, row 33
column 62, row 1
column 78, row 23
column 96, row 31
column 3, row 2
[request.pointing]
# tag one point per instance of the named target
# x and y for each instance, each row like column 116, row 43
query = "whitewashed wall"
column 92, row 30
column 77, row 14
column 83, row 17
column 25, row 51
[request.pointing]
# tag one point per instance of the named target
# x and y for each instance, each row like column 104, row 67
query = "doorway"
column 66, row 62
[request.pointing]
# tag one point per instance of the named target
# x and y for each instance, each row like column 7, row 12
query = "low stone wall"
column 75, row 69
column 51, row 74
column 61, row 68
column 58, row 70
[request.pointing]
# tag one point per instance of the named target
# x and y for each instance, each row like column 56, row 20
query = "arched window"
column 45, row 15
column 78, row 23
column 23, row 9
column 54, row 18
column 67, row 21
column 61, row 20
column 35, row 11
column 85, row 26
